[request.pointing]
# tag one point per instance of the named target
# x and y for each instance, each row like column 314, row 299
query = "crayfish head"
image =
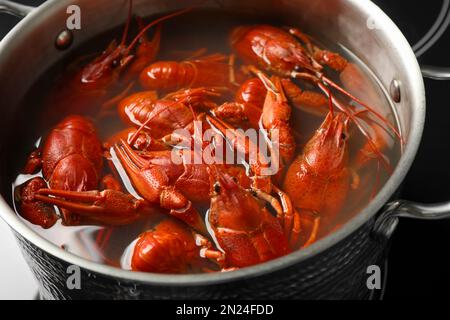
column 222, row 185
column 231, row 205
column 327, row 150
column 105, row 69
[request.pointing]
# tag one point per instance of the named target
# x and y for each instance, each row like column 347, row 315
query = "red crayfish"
column 207, row 216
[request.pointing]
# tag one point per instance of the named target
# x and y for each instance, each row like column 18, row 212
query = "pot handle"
column 16, row 9
column 387, row 221
column 436, row 73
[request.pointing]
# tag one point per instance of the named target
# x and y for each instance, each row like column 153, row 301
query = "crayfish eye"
column 115, row 63
column 235, row 179
column 343, row 136
column 217, row 188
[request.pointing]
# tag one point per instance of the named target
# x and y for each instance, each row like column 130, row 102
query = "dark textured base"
column 338, row 273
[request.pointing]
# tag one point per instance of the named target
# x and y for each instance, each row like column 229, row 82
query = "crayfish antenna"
column 270, row 86
column 127, row 25
column 363, row 131
column 181, row 96
column 133, row 138
column 365, row 106
column 330, row 102
column 321, row 80
column 155, row 22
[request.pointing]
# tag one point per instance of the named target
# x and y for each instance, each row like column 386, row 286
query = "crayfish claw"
column 35, row 211
column 107, row 207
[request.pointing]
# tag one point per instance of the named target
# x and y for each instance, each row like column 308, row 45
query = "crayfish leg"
column 314, row 232
column 182, row 208
column 289, row 218
column 310, row 102
column 307, row 227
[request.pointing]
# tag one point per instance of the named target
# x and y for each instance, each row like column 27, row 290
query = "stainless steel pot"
column 334, row 267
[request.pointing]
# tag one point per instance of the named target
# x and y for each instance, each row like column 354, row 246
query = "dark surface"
column 7, row 22
column 418, row 263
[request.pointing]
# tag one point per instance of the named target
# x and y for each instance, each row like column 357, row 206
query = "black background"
column 419, row 262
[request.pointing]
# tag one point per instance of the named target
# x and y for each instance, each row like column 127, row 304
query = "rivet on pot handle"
column 386, row 223
column 17, row 9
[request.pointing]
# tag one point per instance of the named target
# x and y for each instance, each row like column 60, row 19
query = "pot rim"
column 417, row 98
